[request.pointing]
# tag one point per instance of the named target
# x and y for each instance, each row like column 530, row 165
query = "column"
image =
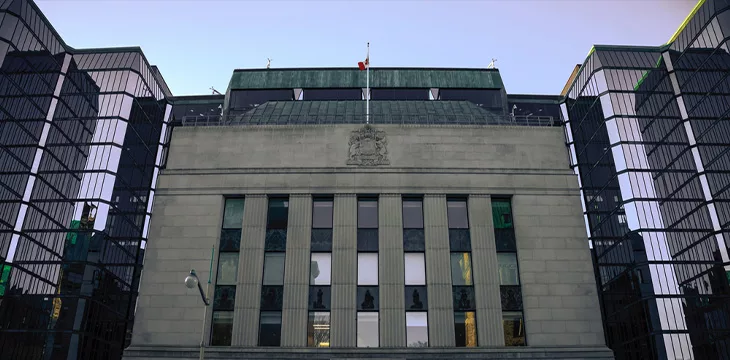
column 250, row 272
column 438, row 272
column 344, row 271
column 296, row 272
column 486, row 278
column 391, row 271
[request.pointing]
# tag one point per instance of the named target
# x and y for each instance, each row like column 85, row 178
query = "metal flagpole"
column 367, row 87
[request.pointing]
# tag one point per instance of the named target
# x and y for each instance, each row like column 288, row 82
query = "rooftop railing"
column 390, row 119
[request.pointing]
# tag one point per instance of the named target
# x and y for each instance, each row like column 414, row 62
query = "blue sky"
column 197, row 44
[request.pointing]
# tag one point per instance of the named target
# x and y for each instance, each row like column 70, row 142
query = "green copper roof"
column 197, row 99
column 304, row 78
column 381, row 111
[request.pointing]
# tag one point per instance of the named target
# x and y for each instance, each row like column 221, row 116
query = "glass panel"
column 508, row 273
column 463, row 297
column 398, row 94
column 367, row 298
column 272, row 297
column 278, row 213
column 367, row 269
column 413, row 214
column 415, row 266
column 505, row 240
column 224, row 296
column 322, row 214
column 416, row 298
column 319, row 298
column 461, row 269
column 502, row 214
column 230, row 240
column 321, row 239
column 270, row 329
column 511, row 297
column 465, row 328
column 514, row 329
column 459, row 239
column 457, row 214
column 367, row 214
column 227, row 268
column 417, row 329
column 222, row 328
column 320, row 269
column 275, row 240
column 367, row 329
column 233, row 214
column 367, row 239
column 333, row 94
column 318, row 329
column 414, row 240
column 273, row 269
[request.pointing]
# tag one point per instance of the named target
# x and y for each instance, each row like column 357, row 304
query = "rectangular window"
column 461, row 269
column 224, row 293
column 273, row 269
column 414, row 238
column 416, row 298
column 322, row 211
column 227, row 268
column 320, row 269
column 415, row 267
column 319, row 298
column 318, row 329
column 222, row 328
column 504, row 233
column 367, row 224
column 514, row 328
column 368, row 298
column 457, row 213
column 417, row 329
column 508, row 273
column 276, row 224
column 367, row 329
column 465, row 329
column 270, row 328
column 367, row 269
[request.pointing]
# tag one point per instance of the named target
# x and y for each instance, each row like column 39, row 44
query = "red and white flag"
column 364, row 64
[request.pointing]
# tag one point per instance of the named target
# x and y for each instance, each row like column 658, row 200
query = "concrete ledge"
column 529, row 352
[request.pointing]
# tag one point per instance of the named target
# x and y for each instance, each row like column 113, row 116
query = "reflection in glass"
column 514, row 329
column 321, row 240
column 367, row 269
column 222, row 328
column 319, row 298
column 463, row 297
column 273, row 269
column 415, row 267
column 461, row 269
column 459, row 240
column 465, row 329
column 278, row 213
column 416, row 298
column 318, row 329
column 320, row 269
column 508, row 273
column 272, row 297
column 224, row 296
column 367, row 329
column 417, row 329
column 502, row 213
column 230, row 240
column 275, row 240
column 227, row 268
column 233, row 214
column 270, row 328
column 367, row 239
column 412, row 214
column 457, row 214
column 367, row 213
column 322, row 214
column 414, row 240
column 367, row 298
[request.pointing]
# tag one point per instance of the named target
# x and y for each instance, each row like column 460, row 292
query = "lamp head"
column 191, row 281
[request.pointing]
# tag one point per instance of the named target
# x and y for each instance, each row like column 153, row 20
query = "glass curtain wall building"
column 648, row 129
column 81, row 140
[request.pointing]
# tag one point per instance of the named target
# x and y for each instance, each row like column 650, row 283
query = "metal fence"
column 399, row 119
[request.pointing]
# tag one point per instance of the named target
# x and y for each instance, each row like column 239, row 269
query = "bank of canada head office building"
column 443, row 218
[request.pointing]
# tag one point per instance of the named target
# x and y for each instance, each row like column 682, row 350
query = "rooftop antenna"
column 492, row 65
column 215, row 92
column 268, row 63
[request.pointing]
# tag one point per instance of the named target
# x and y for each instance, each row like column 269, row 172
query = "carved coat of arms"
column 368, row 147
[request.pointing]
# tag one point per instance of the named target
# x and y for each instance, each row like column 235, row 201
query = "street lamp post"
column 190, row 282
